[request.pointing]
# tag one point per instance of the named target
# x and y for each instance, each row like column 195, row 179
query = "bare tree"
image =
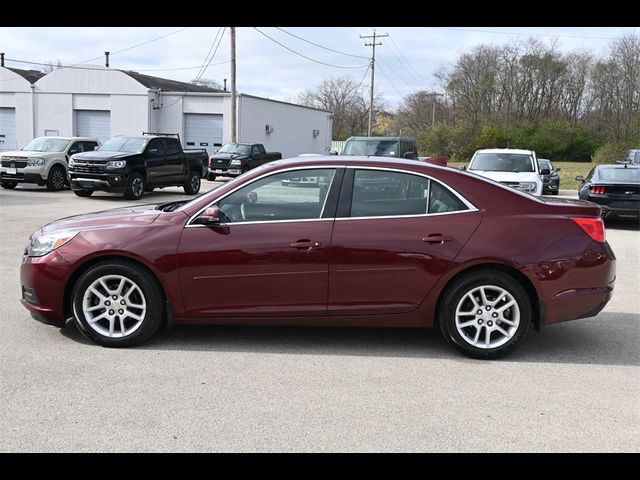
column 345, row 98
column 49, row 67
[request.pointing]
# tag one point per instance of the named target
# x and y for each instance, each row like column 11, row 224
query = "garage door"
column 8, row 129
column 203, row 131
column 93, row 124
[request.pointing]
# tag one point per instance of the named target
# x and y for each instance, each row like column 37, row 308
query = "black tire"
column 192, row 183
column 56, row 179
column 83, row 193
column 211, row 177
column 148, row 285
column 9, row 185
column 244, row 169
column 135, row 187
column 460, row 288
column 555, row 192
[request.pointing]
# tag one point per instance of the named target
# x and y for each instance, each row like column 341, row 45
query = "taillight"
column 597, row 190
column 594, row 227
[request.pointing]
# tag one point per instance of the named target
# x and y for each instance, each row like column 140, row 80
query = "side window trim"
column 346, row 195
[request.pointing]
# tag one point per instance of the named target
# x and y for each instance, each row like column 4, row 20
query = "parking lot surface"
column 574, row 387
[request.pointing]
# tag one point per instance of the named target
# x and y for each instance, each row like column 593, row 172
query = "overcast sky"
column 405, row 63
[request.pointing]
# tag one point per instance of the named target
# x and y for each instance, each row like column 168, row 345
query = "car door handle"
column 437, row 238
column 302, row 244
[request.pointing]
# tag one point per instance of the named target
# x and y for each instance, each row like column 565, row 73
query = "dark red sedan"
column 371, row 242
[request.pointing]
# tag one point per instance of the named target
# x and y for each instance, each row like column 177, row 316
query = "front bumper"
column 225, row 171
column 24, row 175
column 43, row 281
column 111, row 182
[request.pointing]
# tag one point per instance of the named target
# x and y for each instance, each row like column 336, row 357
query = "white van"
column 514, row 168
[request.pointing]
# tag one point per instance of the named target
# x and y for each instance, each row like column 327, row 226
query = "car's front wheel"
column 83, row 193
column 135, row 187
column 117, row 304
column 9, row 185
column 485, row 314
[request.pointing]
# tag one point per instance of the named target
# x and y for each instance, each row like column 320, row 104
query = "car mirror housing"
column 558, row 169
column 545, row 171
column 580, row 178
column 211, row 216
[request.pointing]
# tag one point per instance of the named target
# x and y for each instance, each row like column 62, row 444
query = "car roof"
column 505, row 150
column 70, row 138
column 381, row 138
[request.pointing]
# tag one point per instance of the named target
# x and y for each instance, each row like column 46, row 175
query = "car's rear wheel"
column 135, row 187
column 117, row 304
column 83, row 193
column 211, row 177
column 192, row 183
column 8, row 185
column 56, row 179
column 485, row 314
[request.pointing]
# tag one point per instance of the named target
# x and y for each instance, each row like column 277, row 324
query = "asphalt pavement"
column 574, row 387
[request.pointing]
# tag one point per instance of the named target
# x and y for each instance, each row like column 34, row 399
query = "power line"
column 304, row 56
column 406, row 62
column 526, row 34
column 134, row 46
column 396, row 73
column 388, row 80
column 321, row 46
column 204, row 68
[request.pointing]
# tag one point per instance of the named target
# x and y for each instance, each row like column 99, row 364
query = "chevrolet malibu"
column 375, row 242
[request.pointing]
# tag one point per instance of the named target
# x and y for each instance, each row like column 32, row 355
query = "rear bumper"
column 579, row 303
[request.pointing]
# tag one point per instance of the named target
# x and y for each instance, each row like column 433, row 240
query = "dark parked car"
column 234, row 159
column 133, row 165
column 616, row 188
column 550, row 181
column 388, row 243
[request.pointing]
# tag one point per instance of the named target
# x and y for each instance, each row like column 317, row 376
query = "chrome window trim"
column 470, row 207
column 315, row 167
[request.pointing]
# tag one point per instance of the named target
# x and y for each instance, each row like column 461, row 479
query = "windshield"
column 235, row 148
column 502, row 162
column 620, row 174
column 125, row 144
column 45, row 144
column 545, row 164
column 380, row 148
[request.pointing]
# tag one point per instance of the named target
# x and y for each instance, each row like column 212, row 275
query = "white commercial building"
column 102, row 102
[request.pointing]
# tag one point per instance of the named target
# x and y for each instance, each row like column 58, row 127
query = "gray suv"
column 43, row 160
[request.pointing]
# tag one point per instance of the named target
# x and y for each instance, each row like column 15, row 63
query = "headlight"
column 44, row 244
column 35, row 162
column 527, row 186
column 71, row 162
column 235, row 162
column 116, row 164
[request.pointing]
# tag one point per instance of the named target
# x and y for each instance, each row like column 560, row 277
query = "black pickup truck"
column 234, row 159
column 133, row 165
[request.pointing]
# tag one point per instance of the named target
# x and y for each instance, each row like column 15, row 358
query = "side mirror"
column 545, row 171
column 580, row 178
column 558, row 169
column 211, row 216
column 463, row 168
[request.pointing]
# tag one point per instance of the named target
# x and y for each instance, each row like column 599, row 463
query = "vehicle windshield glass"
column 46, row 145
column 125, row 144
column 502, row 162
column 636, row 158
column 235, row 148
column 381, row 148
column 620, row 174
column 545, row 164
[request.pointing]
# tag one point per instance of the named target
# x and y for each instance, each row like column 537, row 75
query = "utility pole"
column 373, row 66
column 1, row 59
column 234, row 105
column 433, row 106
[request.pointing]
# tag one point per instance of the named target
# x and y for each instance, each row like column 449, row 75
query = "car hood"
column 100, row 155
column 117, row 217
column 509, row 176
column 27, row 153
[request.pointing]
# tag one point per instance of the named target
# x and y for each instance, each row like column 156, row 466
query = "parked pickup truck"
column 43, row 161
column 133, row 165
column 234, row 159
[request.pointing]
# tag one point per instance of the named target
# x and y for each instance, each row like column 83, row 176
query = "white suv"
column 43, row 160
column 514, row 168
